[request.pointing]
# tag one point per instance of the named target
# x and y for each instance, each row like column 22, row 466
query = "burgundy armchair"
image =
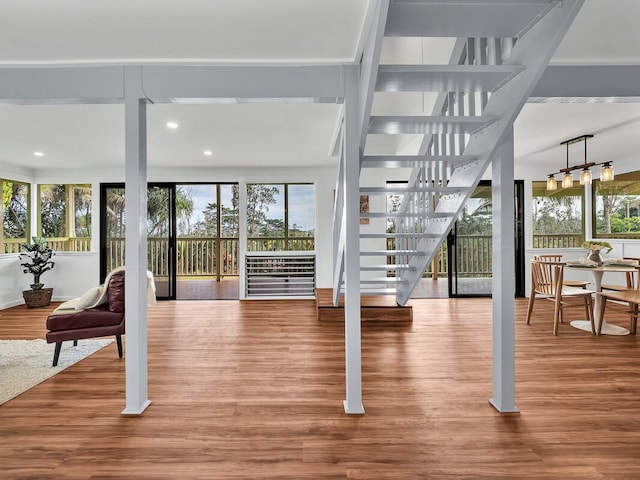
column 105, row 319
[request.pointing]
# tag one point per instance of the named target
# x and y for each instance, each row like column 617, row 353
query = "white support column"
column 242, row 238
column 135, row 123
column 351, row 165
column 503, row 288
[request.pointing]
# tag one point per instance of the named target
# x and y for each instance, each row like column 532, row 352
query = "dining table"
column 597, row 273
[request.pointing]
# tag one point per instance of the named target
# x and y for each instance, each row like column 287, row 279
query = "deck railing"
column 59, row 244
column 474, row 253
column 279, row 244
column 474, row 257
column 558, row 241
column 195, row 256
column 198, row 256
column 437, row 268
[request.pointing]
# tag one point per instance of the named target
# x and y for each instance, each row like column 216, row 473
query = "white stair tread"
column 447, row 78
column 423, row 124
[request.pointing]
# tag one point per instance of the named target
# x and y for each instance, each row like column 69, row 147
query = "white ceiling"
column 41, row 32
column 37, row 32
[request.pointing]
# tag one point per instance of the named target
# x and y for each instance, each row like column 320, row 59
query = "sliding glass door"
column 470, row 244
column 161, row 238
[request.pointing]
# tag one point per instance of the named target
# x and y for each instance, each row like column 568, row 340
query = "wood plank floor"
column 254, row 390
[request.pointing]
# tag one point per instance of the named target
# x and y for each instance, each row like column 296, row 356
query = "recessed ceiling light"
column 208, row 153
column 172, row 125
column 38, row 154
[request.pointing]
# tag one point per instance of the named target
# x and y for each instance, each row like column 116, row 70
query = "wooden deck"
column 191, row 289
column 254, row 390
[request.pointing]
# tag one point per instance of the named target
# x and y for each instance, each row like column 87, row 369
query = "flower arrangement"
column 597, row 245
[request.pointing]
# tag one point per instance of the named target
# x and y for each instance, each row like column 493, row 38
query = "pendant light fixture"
column 567, row 178
column 606, row 172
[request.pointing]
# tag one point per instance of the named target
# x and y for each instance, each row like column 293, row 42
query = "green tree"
column 53, row 210
column 557, row 215
column 259, row 198
column 157, row 211
column 82, row 210
column 14, row 209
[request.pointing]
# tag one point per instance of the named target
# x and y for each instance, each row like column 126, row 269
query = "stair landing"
column 373, row 308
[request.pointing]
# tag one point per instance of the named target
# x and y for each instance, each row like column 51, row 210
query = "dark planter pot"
column 37, row 298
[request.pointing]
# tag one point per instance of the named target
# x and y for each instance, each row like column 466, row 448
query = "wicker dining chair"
column 546, row 282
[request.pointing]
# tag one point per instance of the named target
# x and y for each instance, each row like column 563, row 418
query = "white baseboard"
column 15, row 303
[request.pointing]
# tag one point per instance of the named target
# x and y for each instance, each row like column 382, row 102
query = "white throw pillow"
column 89, row 299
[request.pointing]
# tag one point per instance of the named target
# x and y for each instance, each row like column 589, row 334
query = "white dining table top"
column 603, row 268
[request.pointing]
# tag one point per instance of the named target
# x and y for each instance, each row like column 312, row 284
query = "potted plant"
column 38, row 260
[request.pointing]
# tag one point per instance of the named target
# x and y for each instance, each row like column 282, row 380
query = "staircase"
column 499, row 50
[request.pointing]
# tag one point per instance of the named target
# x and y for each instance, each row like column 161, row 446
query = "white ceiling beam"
column 317, row 83
column 589, row 81
column 51, row 85
column 105, row 84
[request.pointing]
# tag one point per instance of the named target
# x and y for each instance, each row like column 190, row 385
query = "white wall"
column 74, row 273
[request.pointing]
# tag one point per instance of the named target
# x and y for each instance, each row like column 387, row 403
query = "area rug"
column 26, row 363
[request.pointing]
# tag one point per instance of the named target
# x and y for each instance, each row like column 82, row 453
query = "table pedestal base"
column 607, row 328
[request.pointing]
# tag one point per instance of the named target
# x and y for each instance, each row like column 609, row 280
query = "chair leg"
column 590, row 314
column 75, row 343
column 119, row 342
column 601, row 319
column 557, row 312
column 530, row 309
column 588, row 310
column 56, row 353
column 634, row 319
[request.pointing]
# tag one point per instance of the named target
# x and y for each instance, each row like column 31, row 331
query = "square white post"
column 351, row 165
column 503, row 287
column 135, row 124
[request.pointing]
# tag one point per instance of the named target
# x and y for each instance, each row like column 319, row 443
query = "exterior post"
column 135, row 124
column 351, row 226
column 503, row 288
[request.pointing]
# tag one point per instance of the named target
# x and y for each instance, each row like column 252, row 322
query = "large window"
column 617, row 207
column 65, row 216
column 280, row 217
column 15, row 215
column 557, row 216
